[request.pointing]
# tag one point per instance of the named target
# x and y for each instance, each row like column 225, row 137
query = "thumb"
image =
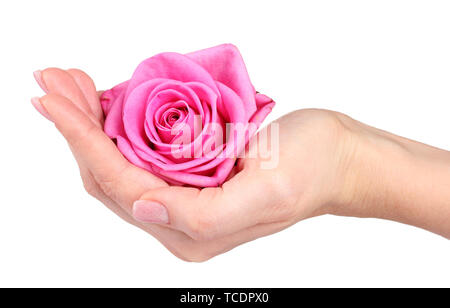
column 202, row 214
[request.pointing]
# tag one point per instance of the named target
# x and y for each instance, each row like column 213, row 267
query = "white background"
column 386, row 63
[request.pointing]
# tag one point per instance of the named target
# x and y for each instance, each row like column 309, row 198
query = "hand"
column 196, row 224
column 326, row 163
column 307, row 181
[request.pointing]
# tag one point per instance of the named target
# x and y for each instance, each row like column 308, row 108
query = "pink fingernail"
column 150, row 211
column 38, row 76
column 36, row 102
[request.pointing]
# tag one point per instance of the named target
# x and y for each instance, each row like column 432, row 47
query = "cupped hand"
column 299, row 172
column 293, row 170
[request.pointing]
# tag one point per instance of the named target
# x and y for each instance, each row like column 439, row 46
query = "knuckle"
column 84, row 139
column 76, row 71
column 329, row 122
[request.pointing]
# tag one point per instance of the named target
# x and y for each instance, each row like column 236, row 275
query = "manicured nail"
column 36, row 102
column 38, row 76
column 150, row 211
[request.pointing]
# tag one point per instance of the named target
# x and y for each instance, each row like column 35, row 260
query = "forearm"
column 394, row 178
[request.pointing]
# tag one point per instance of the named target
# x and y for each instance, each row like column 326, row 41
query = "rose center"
column 172, row 116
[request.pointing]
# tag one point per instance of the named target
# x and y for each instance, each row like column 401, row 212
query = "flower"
column 173, row 116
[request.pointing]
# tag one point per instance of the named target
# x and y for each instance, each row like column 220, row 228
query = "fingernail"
column 36, row 102
column 38, row 76
column 150, row 211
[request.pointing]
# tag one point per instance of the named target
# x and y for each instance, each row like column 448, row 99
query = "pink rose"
column 167, row 118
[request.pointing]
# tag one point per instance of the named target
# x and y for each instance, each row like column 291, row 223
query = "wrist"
column 367, row 183
column 390, row 177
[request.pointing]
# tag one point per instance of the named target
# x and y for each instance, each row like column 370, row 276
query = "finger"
column 120, row 180
column 87, row 87
column 58, row 81
column 209, row 213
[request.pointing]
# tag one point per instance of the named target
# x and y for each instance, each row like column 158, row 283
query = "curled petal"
column 264, row 106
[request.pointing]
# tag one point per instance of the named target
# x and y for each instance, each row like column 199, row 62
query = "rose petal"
column 170, row 65
column 108, row 97
column 127, row 150
column 264, row 106
column 134, row 114
column 225, row 64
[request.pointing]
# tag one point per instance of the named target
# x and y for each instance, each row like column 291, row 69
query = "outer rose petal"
column 264, row 105
column 225, row 64
column 170, row 65
column 127, row 150
column 112, row 104
column 109, row 96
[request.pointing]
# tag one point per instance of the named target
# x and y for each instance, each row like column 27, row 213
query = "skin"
column 328, row 164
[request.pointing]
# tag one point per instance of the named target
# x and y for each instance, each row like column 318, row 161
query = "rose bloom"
column 181, row 116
